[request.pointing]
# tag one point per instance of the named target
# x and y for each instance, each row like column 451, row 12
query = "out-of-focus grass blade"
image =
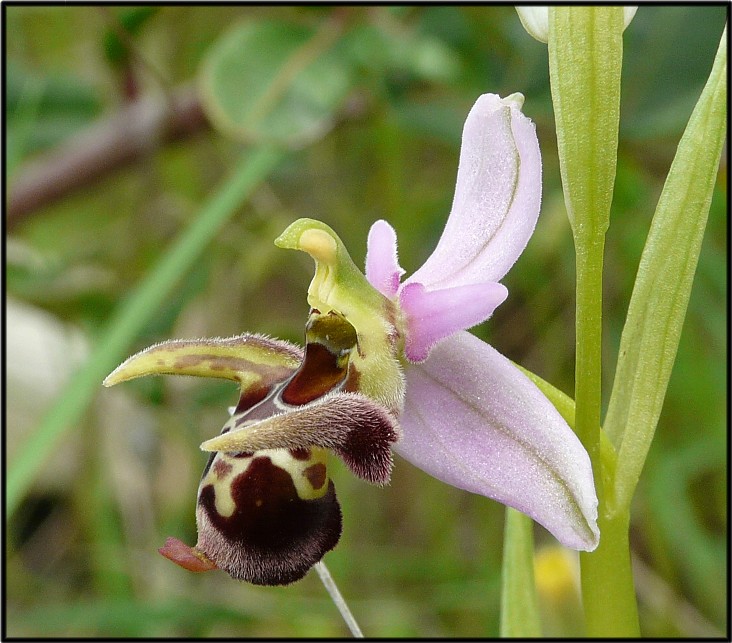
column 132, row 315
column 126, row 618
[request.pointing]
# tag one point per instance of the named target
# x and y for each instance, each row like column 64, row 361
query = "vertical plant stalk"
column 588, row 359
column 519, row 606
column 585, row 60
column 131, row 316
column 608, row 591
column 338, row 599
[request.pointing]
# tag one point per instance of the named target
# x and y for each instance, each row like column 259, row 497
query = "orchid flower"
column 386, row 366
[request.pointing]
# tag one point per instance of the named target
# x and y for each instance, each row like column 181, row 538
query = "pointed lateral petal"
column 436, row 314
column 497, row 197
column 382, row 261
column 251, row 360
column 351, row 425
column 473, row 420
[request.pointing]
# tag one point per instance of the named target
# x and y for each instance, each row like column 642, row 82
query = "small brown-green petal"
column 248, row 359
column 357, row 429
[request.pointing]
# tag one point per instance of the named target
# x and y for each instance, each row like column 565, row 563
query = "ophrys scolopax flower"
column 386, row 365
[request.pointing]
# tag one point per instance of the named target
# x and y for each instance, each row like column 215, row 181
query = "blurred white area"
column 42, row 353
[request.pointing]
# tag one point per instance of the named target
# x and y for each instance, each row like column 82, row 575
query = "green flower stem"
column 585, row 61
column 611, row 559
column 132, row 316
column 588, row 357
column 519, row 607
column 608, row 592
column 607, row 581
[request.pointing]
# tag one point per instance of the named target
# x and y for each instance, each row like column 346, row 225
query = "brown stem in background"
column 104, row 146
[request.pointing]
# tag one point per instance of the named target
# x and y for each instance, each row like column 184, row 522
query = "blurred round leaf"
column 274, row 82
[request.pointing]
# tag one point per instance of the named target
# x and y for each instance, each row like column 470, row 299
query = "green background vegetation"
column 417, row 558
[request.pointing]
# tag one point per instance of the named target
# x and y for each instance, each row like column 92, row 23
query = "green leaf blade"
column 662, row 289
column 519, row 605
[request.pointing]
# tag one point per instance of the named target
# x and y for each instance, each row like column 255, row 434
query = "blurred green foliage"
column 417, row 558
